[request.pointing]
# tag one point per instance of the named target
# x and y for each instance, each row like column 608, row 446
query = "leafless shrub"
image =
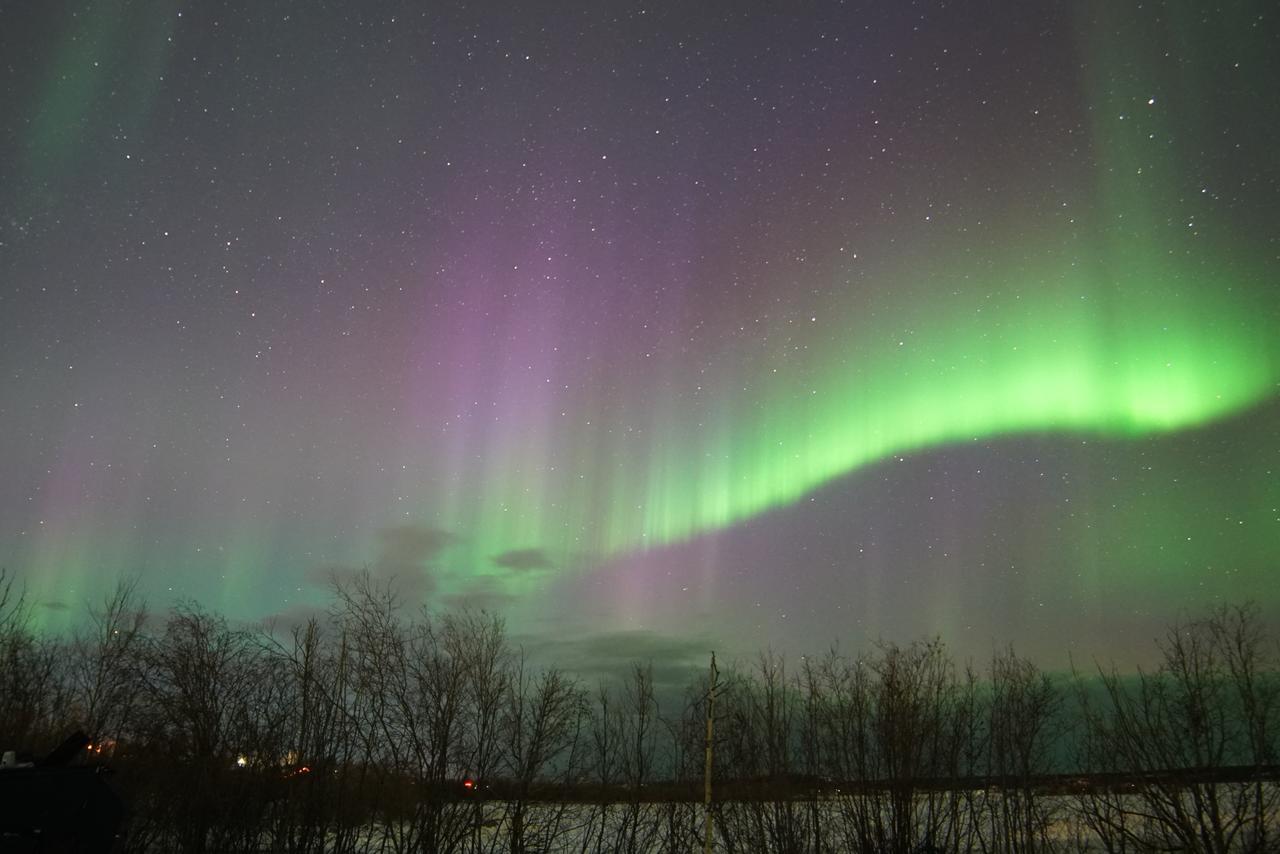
column 354, row 731
column 1209, row 705
column 32, row 695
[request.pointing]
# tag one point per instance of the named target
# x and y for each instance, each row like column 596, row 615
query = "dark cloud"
column 612, row 656
column 410, row 545
column 403, row 560
column 523, row 559
column 55, row 605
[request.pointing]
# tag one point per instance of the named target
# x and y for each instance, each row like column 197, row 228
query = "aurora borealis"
column 730, row 324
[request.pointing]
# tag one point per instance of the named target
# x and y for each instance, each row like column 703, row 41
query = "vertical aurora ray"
column 103, row 78
column 281, row 283
column 1135, row 323
column 1125, row 353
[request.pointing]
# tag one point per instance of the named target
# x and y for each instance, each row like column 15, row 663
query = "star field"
column 769, row 325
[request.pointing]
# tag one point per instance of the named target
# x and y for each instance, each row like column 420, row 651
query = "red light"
column 468, row 784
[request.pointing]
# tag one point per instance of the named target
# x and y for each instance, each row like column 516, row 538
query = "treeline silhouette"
column 375, row 728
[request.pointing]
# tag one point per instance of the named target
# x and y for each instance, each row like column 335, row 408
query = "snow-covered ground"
column 974, row 821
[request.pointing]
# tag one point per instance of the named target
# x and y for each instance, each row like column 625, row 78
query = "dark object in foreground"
column 50, row 808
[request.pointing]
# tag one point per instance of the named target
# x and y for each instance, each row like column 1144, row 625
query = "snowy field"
column 937, row 822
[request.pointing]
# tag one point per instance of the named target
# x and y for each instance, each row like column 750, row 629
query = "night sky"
column 651, row 327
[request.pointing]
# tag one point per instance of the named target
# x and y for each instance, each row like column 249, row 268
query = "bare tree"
column 769, row 726
column 1209, row 705
column 199, row 683
column 1024, row 719
column 408, row 703
column 813, row 750
column 478, row 640
column 32, row 701
column 603, row 740
column 320, row 810
column 543, row 730
column 352, row 732
column 106, row 667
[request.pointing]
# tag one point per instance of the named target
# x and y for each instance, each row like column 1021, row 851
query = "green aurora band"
column 1122, row 352
column 1137, row 321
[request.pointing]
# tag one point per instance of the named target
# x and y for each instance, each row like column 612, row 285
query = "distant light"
column 242, row 761
column 468, row 784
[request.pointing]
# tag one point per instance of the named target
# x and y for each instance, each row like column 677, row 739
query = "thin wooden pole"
column 706, row 777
